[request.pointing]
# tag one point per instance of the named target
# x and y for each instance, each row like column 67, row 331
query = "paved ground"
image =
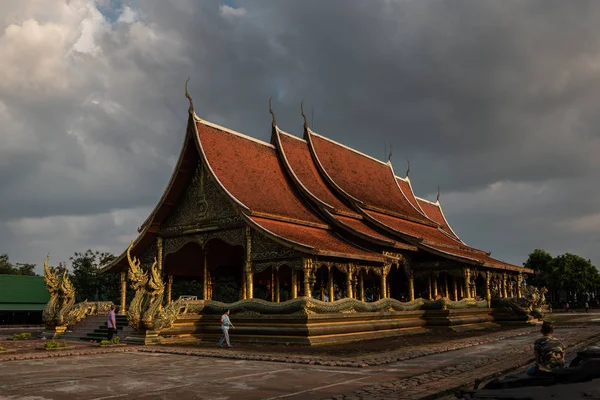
column 150, row 375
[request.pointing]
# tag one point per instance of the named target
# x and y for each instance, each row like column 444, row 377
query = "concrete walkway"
column 137, row 375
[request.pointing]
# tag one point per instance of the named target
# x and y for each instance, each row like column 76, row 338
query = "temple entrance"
column 398, row 284
column 213, row 272
column 422, row 286
column 479, row 287
column 186, row 268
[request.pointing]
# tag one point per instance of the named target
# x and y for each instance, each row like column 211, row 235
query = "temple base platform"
column 312, row 322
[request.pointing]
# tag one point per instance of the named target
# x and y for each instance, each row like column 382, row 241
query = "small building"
column 22, row 299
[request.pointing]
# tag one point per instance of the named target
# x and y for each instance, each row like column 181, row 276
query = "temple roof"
column 251, row 173
column 304, row 193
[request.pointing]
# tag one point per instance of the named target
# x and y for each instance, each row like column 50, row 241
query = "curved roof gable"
column 250, row 171
column 366, row 180
column 434, row 212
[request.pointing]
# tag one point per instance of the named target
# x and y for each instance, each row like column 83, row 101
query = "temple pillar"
column 244, row 284
column 277, row 287
column 307, row 265
column 123, row 309
column 361, row 285
column 446, row 291
column 349, row 270
column 488, row 292
column 159, row 247
column 330, row 284
column 429, row 290
column 519, row 286
column 384, row 274
column 169, row 288
column 434, row 279
column 467, row 275
column 272, row 284
column 205, row 278
column 504, row 294
column 455, row 288
column 294, row 284
column 248, row 266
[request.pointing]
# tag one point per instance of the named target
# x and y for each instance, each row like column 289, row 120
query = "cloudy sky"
column 498, row 102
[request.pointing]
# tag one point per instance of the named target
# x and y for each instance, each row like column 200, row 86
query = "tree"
column 540, row 261
column 87, row 280
column 6, row 267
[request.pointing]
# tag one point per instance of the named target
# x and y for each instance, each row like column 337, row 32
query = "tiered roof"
column 317, row 196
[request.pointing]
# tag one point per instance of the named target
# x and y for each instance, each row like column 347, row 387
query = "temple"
column 306, row 218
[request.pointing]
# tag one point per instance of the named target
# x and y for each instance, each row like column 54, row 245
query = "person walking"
column 112, row 322
column 225, row 325
column 587, row 307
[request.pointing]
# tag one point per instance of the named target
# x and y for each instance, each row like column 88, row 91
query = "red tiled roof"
column 323, row 241
column 250, row 171
column 434, row 212
column 360, row 226
column 364, row 178
column 298, row 155
column 406, row 188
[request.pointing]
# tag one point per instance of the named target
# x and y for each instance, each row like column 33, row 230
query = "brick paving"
column 410, row 373
column 460, row 373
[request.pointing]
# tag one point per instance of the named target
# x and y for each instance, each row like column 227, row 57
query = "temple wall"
column 316, row 329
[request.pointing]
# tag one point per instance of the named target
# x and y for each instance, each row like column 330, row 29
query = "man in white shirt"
column 225, row 324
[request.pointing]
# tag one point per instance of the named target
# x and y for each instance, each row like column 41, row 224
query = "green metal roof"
column 21, row 289
column 22, row 307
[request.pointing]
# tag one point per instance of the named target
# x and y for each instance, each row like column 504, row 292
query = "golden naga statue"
column 61, row 310
column 145, row 311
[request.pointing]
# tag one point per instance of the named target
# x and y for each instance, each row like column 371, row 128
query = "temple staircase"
column 94, row 328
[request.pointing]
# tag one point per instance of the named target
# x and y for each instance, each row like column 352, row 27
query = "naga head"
column 50, row 278
column 136, row 275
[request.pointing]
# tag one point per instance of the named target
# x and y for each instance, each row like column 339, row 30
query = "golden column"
column 294, row 284
column 429, row 290
column 455, row 288
column 361, row 285
column 123, row 309
column 248, row 266
column 349, row 281
column 272, row 284
column 159, row 246
column 277, row 288
column 435, row 284
column 519, row 280
column 467, row 275
column 243, row 288
column 307, row 266
column 446, row 290
column 169, row 288
column 384, row 273
column 504, row 285
column 488, row 292
column 322, row 286
column 411, row 284
column 205, row 279
column 330, row 284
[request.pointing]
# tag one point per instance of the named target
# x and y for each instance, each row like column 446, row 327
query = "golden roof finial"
column 274, row 123
column 408, row 169
column 390, row 154
column 187, row 94
column 438, row 196
column 303, row 115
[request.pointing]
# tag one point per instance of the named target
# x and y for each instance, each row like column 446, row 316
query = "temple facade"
column 305, row 217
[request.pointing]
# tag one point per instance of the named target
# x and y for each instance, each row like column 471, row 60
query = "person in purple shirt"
column 112, row 322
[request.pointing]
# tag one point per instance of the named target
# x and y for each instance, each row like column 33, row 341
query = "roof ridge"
column 428, row 201
column 310, row 131
column 231, row 131
column 290, row 135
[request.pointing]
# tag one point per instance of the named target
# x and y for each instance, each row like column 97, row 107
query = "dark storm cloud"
column 474, row 93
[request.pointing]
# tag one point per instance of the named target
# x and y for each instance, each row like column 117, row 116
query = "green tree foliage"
column 89, row 283
column 6, row 267
column 570, row 273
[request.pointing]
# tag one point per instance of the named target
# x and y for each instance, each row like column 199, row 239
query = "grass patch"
column 22, row 336
column 115, row 340
column 54, row 344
